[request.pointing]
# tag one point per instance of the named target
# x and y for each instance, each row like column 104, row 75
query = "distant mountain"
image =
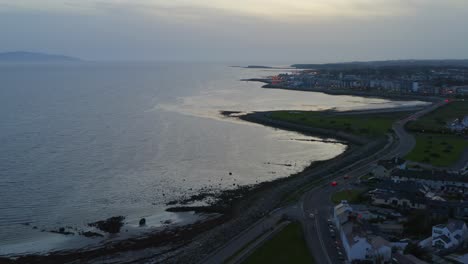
column 389, row 63
column 24, row 56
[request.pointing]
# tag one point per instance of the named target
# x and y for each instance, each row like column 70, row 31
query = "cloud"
column 293, row 30
column 272, row 9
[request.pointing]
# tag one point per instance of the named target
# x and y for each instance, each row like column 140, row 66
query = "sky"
column 295, row 31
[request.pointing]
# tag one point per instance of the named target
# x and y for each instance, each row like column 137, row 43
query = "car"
column 334, row 183
column 346, row 177
column 311, row 215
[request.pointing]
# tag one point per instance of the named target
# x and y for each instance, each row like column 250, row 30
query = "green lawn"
column 436, row 121
column 352, row 196
column 288, row 246
column 360, row 124
column 438, row 150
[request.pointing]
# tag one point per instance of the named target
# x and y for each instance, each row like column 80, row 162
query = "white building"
column 357, row 242
column 359, row 245
column 341, row 213
column 452, row 234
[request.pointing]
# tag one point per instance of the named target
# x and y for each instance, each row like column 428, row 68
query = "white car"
column 311, row 215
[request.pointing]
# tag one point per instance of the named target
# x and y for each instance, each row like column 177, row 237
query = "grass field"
column 370, row 125
column 352, row 196
column 288, row 246
column 436, row 121
column 437, row 149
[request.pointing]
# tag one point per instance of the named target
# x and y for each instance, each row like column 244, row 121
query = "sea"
column 82, row 142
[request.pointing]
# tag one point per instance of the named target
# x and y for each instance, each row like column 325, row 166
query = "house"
column 384, row 168
column 406, row 195
column 381, row 249
column 436, row 179
column 459, row 124
column 450, row 235
column 361, row 246
column 363, row 212
column 398, row 199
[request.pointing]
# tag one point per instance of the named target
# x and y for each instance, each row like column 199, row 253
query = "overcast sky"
column 237, row 30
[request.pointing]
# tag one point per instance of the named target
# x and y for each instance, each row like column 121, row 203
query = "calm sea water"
column 84, row 142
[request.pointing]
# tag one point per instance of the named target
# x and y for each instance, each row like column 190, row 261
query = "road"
column 318, row 202
column 322, row 245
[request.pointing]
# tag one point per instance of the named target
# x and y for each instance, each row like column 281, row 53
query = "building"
column 398, row 199
column 450, row 235
column 359, row 245
column 435, row 179
column 404, row 195
column 341, row 213
column 459, row 124
column 384, row 168
column 358, row 242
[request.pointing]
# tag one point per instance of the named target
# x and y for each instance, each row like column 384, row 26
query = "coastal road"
column 325, row 247
column 240, row 244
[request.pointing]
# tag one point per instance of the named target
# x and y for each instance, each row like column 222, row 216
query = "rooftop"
column 391, row 163
column 435, row 175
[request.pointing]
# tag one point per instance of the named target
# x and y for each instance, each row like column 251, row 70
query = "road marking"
column 322, row 244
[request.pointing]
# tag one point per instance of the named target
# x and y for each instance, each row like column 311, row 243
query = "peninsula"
column 26, row 56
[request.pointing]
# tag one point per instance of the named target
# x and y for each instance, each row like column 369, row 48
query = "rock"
column 172, row 202
column 111, row 225
column 90, row 234
column 62, row 231
column 142, row 222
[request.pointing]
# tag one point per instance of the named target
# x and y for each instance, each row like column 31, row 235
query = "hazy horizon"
column 296, row 31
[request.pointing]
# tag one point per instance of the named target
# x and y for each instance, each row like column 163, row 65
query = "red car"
column 334, row 183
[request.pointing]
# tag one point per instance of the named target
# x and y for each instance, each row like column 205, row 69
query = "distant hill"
column 383, row 64
column 24, row 56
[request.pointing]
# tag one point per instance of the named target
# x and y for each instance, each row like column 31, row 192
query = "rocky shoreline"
column 234, row 210
column 264, row 197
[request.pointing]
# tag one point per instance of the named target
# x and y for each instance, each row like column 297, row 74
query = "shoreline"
column 239, row 208
column 267, row 196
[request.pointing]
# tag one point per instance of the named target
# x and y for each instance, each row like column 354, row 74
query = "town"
column 398, row 214
column 409, row 207
column 422, row 80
